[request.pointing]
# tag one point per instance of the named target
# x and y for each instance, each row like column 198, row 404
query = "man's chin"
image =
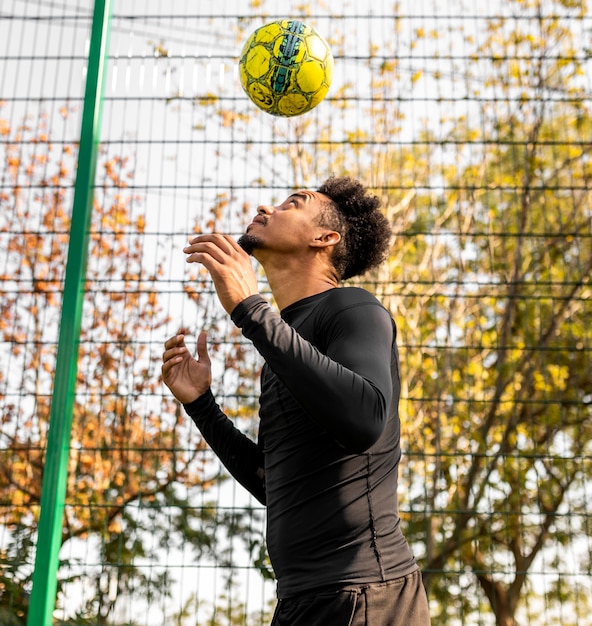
column 249, row 243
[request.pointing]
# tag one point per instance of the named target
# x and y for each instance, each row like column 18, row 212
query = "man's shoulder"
column 351, row 296
column 328, row 307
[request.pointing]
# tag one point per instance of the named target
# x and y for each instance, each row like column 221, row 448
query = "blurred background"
column 472, row 122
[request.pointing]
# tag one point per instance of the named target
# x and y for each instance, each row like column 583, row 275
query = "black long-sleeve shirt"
column 328, row 439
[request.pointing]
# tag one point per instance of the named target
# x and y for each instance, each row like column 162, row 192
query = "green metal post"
column 43, row 597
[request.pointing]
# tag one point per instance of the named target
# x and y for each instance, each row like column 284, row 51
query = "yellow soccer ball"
column 286, row 68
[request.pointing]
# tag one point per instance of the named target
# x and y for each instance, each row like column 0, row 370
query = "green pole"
column 49, row 541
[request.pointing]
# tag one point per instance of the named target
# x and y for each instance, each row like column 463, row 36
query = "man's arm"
column 348, row 390
column 241, row 456
column 189, row 379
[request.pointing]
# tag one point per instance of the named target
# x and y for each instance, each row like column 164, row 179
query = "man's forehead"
column 309, row 195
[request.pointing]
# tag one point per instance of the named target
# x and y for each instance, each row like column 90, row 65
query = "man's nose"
column 264, row 209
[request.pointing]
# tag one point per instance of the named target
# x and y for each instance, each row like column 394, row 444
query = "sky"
column 163, row 55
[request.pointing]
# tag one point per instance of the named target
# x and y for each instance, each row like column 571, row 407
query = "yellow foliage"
column 119, row 479
column 115, row 527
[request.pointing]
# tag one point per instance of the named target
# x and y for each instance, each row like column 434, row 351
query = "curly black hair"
column 355, row 214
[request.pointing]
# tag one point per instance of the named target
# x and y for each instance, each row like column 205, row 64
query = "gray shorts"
column 399, row 602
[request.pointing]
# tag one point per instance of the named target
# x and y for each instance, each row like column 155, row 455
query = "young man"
column 327, row 455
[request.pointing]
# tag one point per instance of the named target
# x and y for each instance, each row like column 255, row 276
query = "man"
column 326, row 459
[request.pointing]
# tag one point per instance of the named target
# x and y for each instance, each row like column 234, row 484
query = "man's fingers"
column 173, row 356
column 216, row 238
column 177, row 340
column 215, row 245
column 175, row 348
column 202, row 347
column 167, row 365
column 204, row 253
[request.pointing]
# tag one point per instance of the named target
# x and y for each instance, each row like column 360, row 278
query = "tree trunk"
column 500, row 600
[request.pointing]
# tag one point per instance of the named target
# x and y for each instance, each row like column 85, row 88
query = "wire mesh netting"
column 472, row 122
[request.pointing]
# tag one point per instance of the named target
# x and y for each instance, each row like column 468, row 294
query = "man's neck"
column 289, row 287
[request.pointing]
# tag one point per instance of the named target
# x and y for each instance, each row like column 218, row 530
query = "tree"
column 134, row 467
column 488, row 281
column 489, row 284
column 494, row 296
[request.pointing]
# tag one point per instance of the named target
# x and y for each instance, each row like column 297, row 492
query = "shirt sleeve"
column 240, row 455
column 347, row 388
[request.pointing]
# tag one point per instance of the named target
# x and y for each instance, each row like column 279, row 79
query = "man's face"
column 287, row 228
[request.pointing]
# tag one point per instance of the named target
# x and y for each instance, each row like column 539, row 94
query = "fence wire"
column 472, row 123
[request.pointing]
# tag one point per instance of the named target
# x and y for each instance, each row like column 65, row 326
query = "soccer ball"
column 286, row 68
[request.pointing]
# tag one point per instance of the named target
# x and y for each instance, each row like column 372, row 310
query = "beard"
column 249, row 243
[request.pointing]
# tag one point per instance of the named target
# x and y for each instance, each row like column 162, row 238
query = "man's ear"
column 325, row 239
